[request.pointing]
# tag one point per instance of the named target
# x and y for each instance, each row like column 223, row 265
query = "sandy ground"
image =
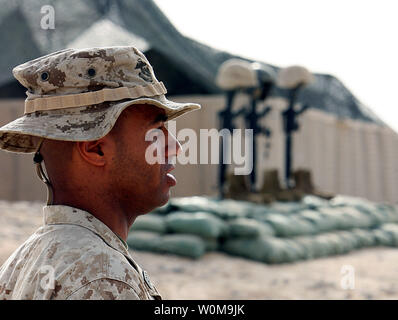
column 219, row 276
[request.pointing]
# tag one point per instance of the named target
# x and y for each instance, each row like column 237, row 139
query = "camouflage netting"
column 281, row 232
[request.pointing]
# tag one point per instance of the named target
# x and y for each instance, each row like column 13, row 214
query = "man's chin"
column 165, row 198
column 162, row 197
column 162, row 200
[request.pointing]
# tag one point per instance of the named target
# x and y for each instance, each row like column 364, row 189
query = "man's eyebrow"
column 159, row 118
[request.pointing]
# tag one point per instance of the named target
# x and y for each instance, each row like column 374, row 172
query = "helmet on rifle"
column 293, row 77
column 235, row 74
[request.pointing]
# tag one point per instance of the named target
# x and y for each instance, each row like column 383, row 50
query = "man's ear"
column 93, row 151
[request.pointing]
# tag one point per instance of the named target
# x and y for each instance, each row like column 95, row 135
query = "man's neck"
column 112, row 216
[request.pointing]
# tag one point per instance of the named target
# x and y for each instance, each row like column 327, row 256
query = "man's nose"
column 173, row 147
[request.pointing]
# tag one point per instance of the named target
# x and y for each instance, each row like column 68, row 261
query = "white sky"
column 356, row 41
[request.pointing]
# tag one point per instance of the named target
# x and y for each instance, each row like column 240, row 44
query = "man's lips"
column 171, row 180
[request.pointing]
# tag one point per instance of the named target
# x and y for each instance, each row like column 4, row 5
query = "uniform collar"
column 59, row 214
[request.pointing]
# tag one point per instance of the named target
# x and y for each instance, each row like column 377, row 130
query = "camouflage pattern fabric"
column 73, row 256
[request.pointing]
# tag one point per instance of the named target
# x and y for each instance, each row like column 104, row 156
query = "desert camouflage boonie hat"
column 78, row 94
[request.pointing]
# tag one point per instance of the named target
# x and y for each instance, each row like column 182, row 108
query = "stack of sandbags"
column 386, row 235
column 276, row 233
column 203, row 224
column 365, row 237
column 208, row 227
column 322, row 221
column 187, row 245
column 285, row 250
column 149, row 233
column 150, row 222
column 194, row 204
column 144, row 240
column 252, row 239
column 264, row 249
column 232, row 209
column 314, row 202
column 179, row 244
column 188, row 234
column 248, row 228
column 286, row 225
column 146, row 232
column 380, row 213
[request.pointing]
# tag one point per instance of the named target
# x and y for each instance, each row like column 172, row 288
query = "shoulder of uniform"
column 82, row 257
column 106, row 289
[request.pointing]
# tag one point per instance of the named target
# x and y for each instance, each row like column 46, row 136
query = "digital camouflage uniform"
column 73, row 256
column 77, row 95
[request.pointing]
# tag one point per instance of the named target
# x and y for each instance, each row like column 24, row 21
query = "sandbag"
column 379, row 213
column 358, row 219
column 258, row 210
column 389, row 213
column 262, row 215
column 281, row 223
column 248, row 228
column 328, row 244
column 321, row 222
column 287, row 207
column 248, row 248
column 150, row 222
column 350, row 241
column 322, row 246
column 277, row 250
column 186, row 245
column 335, row 218
column 286, row 225
column 303, row 226
column 231, row 209
column 365, row 237
column 343, row 200
column 314, row 202
column 265, row 249
column 308, row 245
column 392, row 229
column 383, row 237
column 295, row 251
column 202, row 224
column 144, row 240
column 194, row 204
column 334, row 244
